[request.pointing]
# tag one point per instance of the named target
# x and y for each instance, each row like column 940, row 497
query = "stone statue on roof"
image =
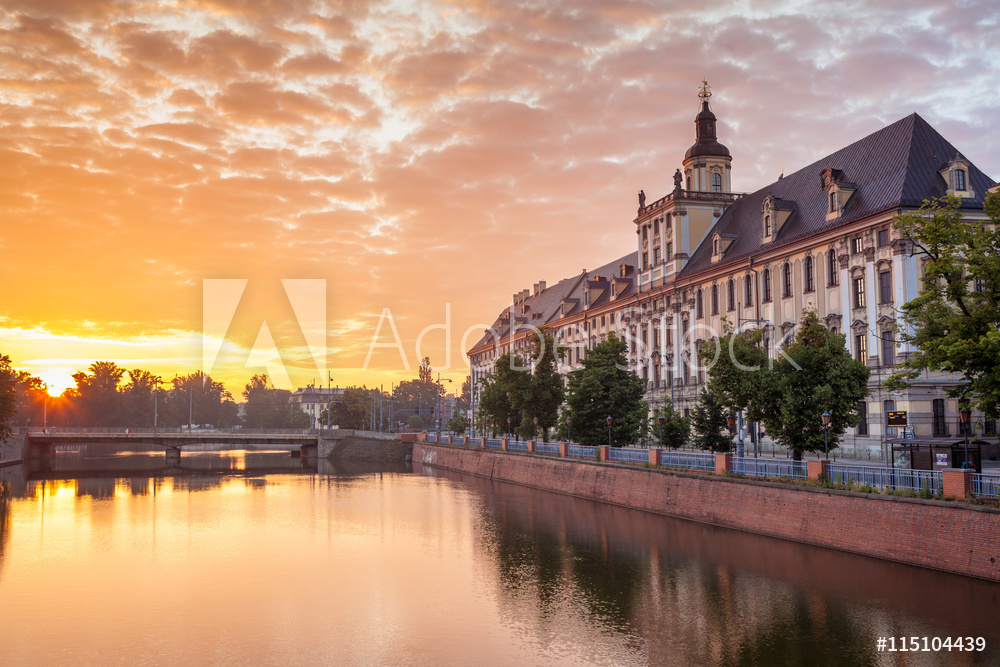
column 642, row 199
column 678, row 179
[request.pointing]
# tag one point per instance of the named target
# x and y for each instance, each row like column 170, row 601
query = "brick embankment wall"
column 357, row 448
column 952, row 537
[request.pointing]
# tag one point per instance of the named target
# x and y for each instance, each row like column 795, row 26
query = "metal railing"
column 547, row 448
column 493, row 443
column 517, row 446
column 769, row 468
column 687, row 460
column 628, row 455
column 887, row 478
column 431, row 437
column 581, row 452
column 149, row 430
column 475, row 442
column 985, row 486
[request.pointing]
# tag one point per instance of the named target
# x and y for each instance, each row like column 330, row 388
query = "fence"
column 769, row 468
column 687, row 460
column 517, row 446
column 887, row 478
column 547, row 448
column 628, row 455
column 493, row 443
column 581, row 452
column 985, row 486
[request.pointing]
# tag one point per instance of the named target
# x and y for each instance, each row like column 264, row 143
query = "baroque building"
column 708, row 258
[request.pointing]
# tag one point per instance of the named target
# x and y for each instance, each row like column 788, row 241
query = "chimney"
column 541, row 286
column 534, row 290
column 525, row 293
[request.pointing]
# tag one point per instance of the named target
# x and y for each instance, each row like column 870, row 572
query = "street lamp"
column 609, row 431
column 730, row 421
column 487, row 427
column 659, row 420
column 440, row 388
column 536, row 428
column 508, row 428
column 965, row 414
column 827, row 417
column 569, row 429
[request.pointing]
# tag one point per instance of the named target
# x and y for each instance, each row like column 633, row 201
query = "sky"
column 249, row 186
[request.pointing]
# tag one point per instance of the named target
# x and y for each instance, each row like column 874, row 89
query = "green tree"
column 544, row 387
column 954, row 318
column 708, row 421
column 352, row 409
column 737, row 371
column 137, row 397
column 8, row 396
column 268, row 407
column 503, row 394
column 200, row 399
column 604, row 387
column 676, row 427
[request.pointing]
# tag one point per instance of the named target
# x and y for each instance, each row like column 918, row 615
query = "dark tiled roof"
column 546, row 306
column 894, row 167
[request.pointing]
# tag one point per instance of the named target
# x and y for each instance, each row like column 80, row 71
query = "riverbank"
column 952, row 537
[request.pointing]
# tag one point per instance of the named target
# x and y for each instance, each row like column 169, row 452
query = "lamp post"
column 508, row 428
column 535, row 420
column 609, row 431
column 730, row 421
column 827, row 417
column 439, row 404
column 487, row 434
column 569, row 429
column 964, row 415
column 659, row 420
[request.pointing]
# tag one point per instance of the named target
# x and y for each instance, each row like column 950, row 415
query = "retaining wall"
column 359, row 448
column 958, row 538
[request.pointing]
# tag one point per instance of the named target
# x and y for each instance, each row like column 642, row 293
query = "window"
column 859, row 292
column 731, row 304
column 645, row 261
column 863, row 413
column 861, row 348
column 767, row 225
column 883, row 238
column 885, row 287
column 670, row 251
column 786, row 290
column 716, row 182
column 765, row 341
column 990, row 427
column 888, row 349
column 857, row 245
column 833, row 201
column 656, row 255
column 715, row 246
column 747, row 290
column 656, row 226
column 887, row 407
column 807, row 268
column 715, row 299
column 959, row 179
column 699, row 311
column 938, row 424
column 831, row 260
column 645, row 233
column 767, row 285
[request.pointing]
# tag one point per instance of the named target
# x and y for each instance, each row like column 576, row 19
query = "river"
column 254, row 558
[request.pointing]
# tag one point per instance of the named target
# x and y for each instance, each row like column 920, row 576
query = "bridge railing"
column 148, row 430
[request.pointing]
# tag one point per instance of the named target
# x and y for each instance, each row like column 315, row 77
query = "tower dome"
column 707, row 141
column 707, row 164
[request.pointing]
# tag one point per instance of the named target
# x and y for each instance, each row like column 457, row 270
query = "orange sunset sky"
column 417, row 156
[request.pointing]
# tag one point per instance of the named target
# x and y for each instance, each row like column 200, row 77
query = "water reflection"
column 687, row 593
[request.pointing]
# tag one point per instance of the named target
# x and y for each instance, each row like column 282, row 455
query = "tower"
column 707, row 164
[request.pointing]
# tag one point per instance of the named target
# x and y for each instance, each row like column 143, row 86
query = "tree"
column 814, row 374
column 8, row 396
column 200, row 399
column 503, row 394
column 734, row 360
column 268, row 407
column 956, row 315
column 351, row 410
column 137, row 397
column 604, row 387
column 708, row 420
column 98, row 401
column 544, row 390
column 676, row 427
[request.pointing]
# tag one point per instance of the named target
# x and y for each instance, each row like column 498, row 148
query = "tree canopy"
column 267, row 407
column 955, row 318
column 8, row 396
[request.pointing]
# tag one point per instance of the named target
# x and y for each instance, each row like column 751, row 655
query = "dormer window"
column 959, row 179
column 767, row 225
column 956, row 177
column 715, row 246
column 833, row 201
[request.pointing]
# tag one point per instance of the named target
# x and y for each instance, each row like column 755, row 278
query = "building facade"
column 708, row 259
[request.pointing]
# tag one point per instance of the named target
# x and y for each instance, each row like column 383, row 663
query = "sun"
column 56, row 382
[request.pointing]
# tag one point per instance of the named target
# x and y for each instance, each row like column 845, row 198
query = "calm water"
column 250, row 558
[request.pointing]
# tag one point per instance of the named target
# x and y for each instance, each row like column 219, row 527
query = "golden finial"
column 705, row 91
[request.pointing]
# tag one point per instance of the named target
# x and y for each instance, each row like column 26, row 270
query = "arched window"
column 715, row 299
column 699, row 312
column 786, row 287
column 767, row 225
column 716, row 182
column 807, row 268
column 732, row 295
column 831, row 260
column 747, row 290
column 959, row 179
column 767, row 285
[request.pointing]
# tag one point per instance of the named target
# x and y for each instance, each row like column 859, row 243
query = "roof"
column 895, row 167
column 546, row 306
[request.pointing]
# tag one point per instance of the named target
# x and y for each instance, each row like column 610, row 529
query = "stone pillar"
column 531, row 447
column 602, row 451
column 503, row 444
column 482, row 441
column 956, row 482
column 465, row 440
column 654, row 457
column 722, row 463
column 816, row 468
column 562, row 450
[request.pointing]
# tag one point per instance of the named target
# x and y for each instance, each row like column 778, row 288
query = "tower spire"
column 705, row 91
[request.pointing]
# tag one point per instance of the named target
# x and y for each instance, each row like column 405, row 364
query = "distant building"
column 314, row 400
column 820, row 238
